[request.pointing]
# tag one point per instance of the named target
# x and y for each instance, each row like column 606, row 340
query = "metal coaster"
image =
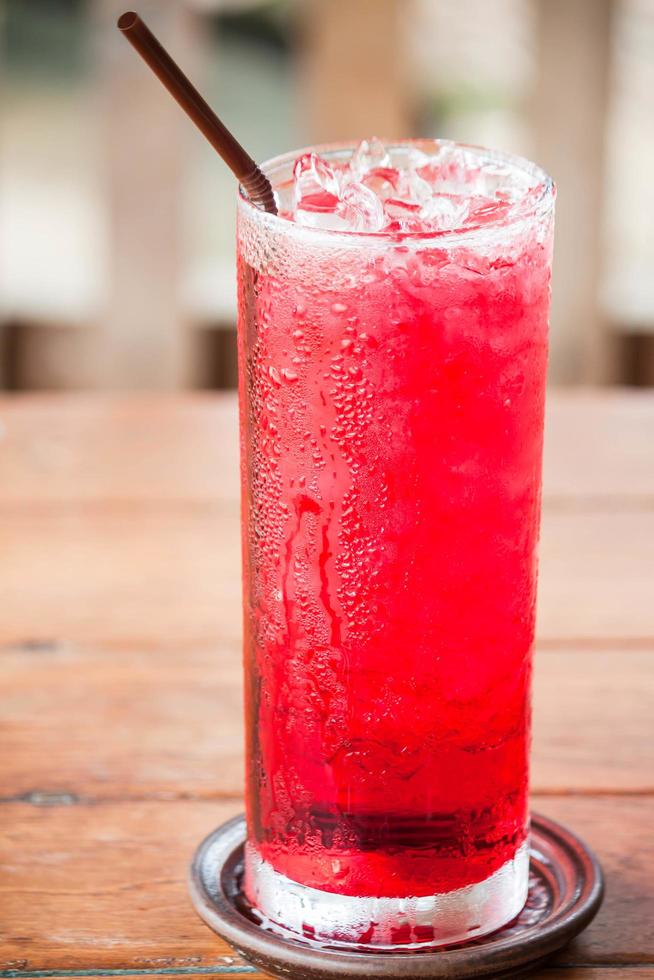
column 565, row 891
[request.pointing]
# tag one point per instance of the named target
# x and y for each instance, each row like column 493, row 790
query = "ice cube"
column 369, row 155
column 313, row 178
column 448, row 171
column 396, row 207
column 361, row 208
column 382, row 181
column 412, row 187
column 483, row 210
column 402, row 190
column 325, row 220
column 402, row 215
column 443, row 212
column 415, row 158
column 401, row 193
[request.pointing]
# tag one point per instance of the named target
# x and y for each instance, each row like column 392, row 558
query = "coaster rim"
column 570, row 868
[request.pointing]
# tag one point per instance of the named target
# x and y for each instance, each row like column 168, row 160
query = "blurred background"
column 117, row 220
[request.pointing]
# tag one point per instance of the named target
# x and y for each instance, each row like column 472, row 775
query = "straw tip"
column 127, row 20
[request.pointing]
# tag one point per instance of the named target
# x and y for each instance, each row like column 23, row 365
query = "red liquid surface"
column 392, row 415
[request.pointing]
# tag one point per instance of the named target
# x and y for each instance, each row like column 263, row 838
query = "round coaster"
column 565, row 892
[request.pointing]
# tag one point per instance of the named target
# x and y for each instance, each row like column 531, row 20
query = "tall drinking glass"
column 391, row 394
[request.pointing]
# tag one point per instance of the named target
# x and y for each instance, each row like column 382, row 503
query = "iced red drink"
column 393, row 341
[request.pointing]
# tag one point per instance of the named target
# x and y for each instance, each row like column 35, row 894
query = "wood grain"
column 598, row 446
column 104, row 886
column 593, row 721
column 619, row 830
column 120, row 664
column 596, row 574
column 595, row 973
column 168, row 723
column 94, row 887
column 121, row 726
column 82, row 447
column 235, row 969
column 119, row 574
column 139, row 573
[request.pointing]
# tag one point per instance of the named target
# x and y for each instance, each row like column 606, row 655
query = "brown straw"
column 256, row 184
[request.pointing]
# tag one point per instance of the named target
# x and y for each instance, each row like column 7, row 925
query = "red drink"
column 392, row 391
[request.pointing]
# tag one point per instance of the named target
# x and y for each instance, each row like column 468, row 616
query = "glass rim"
column 462, row 234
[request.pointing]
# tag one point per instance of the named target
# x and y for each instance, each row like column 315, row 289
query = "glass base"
column 291, row 909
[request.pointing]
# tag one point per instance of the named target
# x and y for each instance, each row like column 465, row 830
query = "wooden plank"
column 121, row 726
column 233, row 967
column 81, row 447
column 593, row 725
column 116, row 725
column 104, row 886
column 130, row 574
column 239, row 969
column 635, row 971
column 599, row 446
column 120, row 575
column 619, row 830
column 596, row 573
column 164, row 724
column 96, row 887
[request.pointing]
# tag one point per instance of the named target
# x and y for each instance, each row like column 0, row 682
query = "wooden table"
column 121, row 701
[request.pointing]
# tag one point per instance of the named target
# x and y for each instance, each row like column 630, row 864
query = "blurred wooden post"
column 353, row 55
column 4, row 373
column 144, row 343
column 570, row 131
